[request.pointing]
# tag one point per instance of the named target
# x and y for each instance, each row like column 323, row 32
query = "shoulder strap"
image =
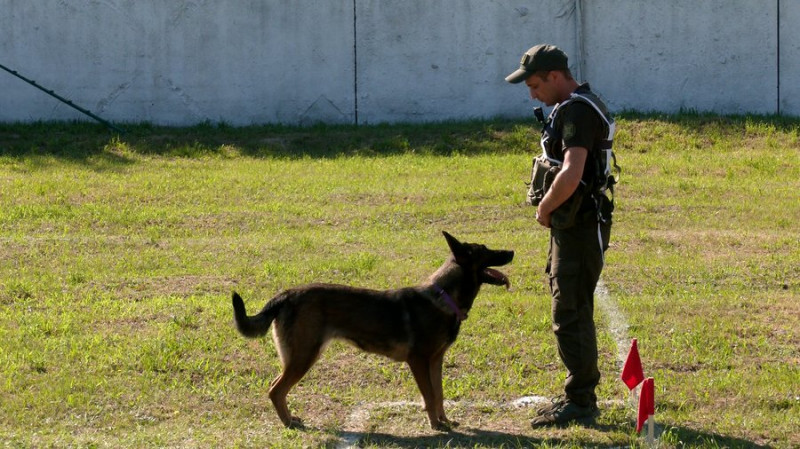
column 609, row 121
column 608, row 169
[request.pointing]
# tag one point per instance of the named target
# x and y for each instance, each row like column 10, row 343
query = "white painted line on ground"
column 617, row 323
column 529, row 401
column 356, row 422
column 618, row 326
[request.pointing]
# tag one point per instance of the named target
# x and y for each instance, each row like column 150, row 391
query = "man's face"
column 542, row 89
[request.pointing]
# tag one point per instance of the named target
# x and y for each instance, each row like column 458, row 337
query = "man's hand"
column 564, row 184
column 543, row 219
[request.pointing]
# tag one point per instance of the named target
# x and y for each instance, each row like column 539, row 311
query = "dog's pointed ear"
column 455, row 246
column 451, row 241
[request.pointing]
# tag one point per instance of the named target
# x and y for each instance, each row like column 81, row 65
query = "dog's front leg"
column 438, row 392
column 421, row 369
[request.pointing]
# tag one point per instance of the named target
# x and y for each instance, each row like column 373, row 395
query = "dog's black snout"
column 503, row 257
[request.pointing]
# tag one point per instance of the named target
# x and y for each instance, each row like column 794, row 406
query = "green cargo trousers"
column 574, row 264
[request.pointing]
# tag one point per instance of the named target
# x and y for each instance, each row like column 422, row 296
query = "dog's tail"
column 256, row 325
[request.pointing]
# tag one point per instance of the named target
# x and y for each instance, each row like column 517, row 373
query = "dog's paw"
column 296, row 423
column 444, row 425
column 441, row 427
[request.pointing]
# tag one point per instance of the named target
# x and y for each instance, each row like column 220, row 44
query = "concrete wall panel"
column 181, row 62
column 428, row 61
column 710, row 55
column 790, row 58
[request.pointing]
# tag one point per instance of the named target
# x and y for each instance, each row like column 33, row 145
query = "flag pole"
column 651, row 431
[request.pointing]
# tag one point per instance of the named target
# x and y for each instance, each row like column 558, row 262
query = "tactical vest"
column 606, row 170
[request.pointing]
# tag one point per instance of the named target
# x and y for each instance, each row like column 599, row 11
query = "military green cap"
column 543, row 57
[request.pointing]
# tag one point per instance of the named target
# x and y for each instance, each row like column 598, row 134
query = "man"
column 576, row 144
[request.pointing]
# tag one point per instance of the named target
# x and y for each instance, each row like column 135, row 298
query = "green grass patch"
column 119, row 254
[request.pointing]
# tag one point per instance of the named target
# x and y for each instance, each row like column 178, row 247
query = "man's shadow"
column 468, row 437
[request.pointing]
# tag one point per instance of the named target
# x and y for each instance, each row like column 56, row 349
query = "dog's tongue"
column 501, row 278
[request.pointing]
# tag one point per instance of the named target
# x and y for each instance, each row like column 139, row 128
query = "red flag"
column 647, row 404
column 632, row 373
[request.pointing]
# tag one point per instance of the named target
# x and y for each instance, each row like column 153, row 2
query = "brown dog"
column 415, row 325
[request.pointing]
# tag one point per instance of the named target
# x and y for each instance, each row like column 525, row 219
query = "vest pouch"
column 542, row 176
column 605, row 209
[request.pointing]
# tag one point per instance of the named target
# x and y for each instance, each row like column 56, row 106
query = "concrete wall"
column 709, row 55
column 182, row 62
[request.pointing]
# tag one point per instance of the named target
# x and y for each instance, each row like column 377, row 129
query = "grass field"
column 118, row 256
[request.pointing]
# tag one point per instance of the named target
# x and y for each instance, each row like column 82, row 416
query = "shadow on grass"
column 686, row 437
column 694, row 121
column 94, row 144
column 671, row 437
column 470, row 438
column 80, row 141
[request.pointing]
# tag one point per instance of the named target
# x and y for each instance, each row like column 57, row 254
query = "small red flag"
column 647, row 404
column 632, row 373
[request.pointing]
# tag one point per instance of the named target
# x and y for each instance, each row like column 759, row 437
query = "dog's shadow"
column 458, row 438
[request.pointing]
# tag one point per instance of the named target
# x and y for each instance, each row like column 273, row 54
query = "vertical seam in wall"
column 355, row 65
column 579, row 38
column 778, row 59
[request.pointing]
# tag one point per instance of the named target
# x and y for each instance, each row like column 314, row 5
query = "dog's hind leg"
column 277, row 394
column 297, row 360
